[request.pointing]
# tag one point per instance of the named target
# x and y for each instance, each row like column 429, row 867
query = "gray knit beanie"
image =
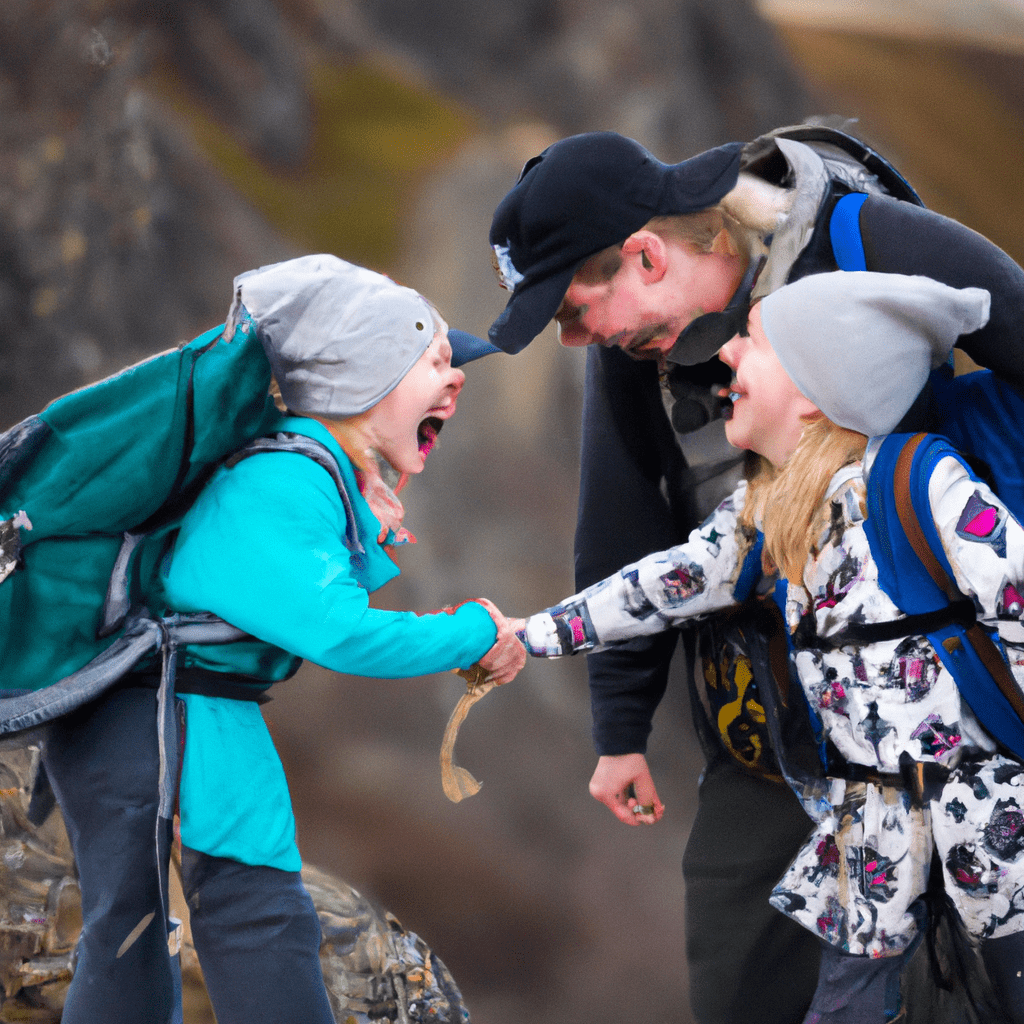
column 861, row 345
column 339, row 337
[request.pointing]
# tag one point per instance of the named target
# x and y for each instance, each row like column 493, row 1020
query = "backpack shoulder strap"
column 898, row 491
column 300, row 444
column 901, row 573
column 844, row 231
column 906, row 486
column 888, row 177
column 117, row 604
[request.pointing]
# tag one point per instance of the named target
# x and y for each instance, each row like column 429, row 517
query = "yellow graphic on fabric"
column 736, row 713
column 729, row 713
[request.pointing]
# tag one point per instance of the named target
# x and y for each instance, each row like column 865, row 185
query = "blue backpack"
column 978, row 412
column 914, row 571
column 976, row 417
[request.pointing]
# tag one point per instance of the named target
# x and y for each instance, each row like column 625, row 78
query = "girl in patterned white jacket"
column 828, row 362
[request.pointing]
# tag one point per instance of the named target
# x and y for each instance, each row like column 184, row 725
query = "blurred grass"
column 375, row 136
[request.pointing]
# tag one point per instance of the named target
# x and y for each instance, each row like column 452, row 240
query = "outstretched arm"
column 651, row 595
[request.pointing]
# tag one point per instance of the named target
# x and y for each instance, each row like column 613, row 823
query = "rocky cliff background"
column 150, row 152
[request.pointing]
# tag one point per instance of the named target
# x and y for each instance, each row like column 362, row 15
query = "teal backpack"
column 87, row 483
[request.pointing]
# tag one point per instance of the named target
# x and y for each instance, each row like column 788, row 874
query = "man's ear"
column 651, row 252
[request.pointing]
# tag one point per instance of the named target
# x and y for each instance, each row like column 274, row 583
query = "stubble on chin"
column 649, row 346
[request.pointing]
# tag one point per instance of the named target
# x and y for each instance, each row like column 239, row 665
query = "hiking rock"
column 375, row 970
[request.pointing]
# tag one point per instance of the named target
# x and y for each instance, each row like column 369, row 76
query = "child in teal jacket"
column 277, row 548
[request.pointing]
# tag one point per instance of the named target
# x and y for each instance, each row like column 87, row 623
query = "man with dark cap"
column 624, row 252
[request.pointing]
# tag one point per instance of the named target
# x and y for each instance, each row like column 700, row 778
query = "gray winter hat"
column 339, row 337
column 861, row 345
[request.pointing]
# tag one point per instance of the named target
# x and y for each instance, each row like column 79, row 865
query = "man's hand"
column 504, row 660
column 623, row 784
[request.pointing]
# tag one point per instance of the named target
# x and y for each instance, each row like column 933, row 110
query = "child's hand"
column 383, row 502
column 505, row 659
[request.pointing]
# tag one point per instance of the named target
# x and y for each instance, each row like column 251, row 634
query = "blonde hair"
column 788, row 502
column 753, row 209
column 698, row 230
column 756, row 205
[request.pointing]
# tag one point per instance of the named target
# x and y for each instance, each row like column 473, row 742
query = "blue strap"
column 844, row 230
column 750, row 571
column 900, row 572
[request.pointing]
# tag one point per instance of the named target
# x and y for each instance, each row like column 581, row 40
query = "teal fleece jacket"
column 263, row 547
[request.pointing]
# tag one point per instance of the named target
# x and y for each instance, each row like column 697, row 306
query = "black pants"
column 747, row 961
column 255, row 928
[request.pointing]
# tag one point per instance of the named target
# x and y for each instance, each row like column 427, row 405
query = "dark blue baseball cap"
column 467, row 347
column 581, row 195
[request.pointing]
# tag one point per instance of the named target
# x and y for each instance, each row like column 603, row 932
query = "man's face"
column 643, row 313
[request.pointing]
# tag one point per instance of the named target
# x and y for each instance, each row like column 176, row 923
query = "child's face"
column 768, row 411
column 405, row 423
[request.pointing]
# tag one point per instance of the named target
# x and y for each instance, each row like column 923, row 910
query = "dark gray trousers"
column 747, row 960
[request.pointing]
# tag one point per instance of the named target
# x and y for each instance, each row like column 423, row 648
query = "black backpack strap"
column 960, row 612
column 888, row 177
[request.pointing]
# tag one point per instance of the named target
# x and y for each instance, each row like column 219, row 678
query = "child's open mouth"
column 427, row 433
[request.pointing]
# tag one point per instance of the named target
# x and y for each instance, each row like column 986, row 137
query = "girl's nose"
column 729, row 353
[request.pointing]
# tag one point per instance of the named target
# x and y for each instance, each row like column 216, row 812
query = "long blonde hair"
column 788, row 502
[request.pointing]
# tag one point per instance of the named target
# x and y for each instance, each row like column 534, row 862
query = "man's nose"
column 574, row 336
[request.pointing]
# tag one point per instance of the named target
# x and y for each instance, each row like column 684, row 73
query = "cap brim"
column 530, row 309
column 693, row 184
column 467, row 347
column 690, row 351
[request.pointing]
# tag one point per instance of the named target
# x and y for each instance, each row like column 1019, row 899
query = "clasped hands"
column 506, row 658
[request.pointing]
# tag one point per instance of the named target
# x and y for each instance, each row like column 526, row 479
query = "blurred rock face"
column 114, row 238
column 681, row 75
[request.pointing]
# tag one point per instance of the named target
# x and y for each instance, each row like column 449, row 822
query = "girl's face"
column 768, row 412
column 405, row 423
